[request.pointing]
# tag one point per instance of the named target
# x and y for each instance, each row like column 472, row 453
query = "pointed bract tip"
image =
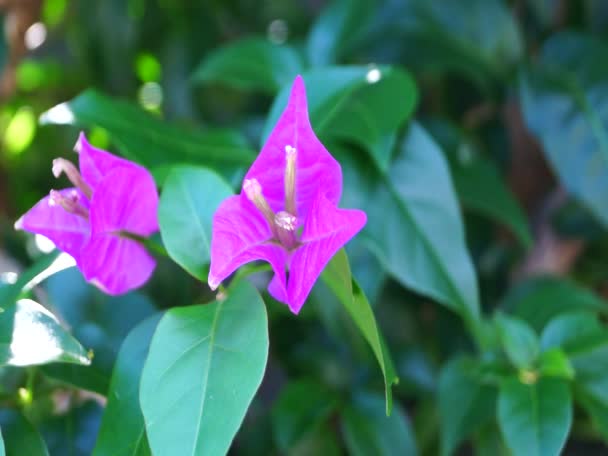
column 80, row 142
column 19, row 224
column 213, row 283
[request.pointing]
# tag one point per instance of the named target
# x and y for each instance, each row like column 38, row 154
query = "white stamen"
column 252, row 188
column 289, row 150
column 286, row 221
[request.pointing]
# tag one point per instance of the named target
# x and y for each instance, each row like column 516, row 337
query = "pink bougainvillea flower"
column 113, row 202
column 286, row 213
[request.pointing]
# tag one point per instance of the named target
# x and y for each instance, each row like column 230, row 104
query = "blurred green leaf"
column 555, row 363
column 564, row 106
column 535, row 419
column 93, row 317
column 482, row 189
column 465, row 403
column 540, row 299
column 336, row 29
column 250, row 64
column 148, row 140
column 596, row 409
column 299, row 411
column 122, row 431
column 481, row 41
column 519, row 340
column 31, row 335
column 489, row 442
column 11, row 292
column 204, row 366
column 2, row 453
column 21, row 438
column 322, row 442
column 338, row 278
column 364, row 105
column 568, row 328
column 409, row 235
column 367, row 430
column 190, row 197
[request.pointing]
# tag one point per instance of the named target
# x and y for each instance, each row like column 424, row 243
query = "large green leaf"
column 204, row 366
column 149, row 140
column 417, row 234
column 519, row 340
column 367, row 430
column 465, row 403
column 338, row 278
column 535, row 419
column 299, row 411
column 540, row 299
column 364, row 105
column 481, row 188
column 252, row 63
column 190, row 197
column 481, row 41
column 31, row 335
column 122, row 431
column 336, row 29
column 21, row 438
column 564, row 103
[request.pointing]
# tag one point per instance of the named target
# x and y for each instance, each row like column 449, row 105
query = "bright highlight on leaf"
column 20, row 131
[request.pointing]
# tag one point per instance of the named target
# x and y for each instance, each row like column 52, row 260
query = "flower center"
column 284, row 223
column 71, row 203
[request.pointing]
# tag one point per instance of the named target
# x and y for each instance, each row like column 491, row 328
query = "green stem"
column 148, row 243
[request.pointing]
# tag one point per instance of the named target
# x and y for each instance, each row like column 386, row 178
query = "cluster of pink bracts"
column 286, row 213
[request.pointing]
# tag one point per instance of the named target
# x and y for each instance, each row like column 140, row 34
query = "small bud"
column 253, row 191
column 290, row 179
column 61, row 165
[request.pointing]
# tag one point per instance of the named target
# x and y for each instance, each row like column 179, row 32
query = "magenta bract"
column 287, row 212
column 112, row 199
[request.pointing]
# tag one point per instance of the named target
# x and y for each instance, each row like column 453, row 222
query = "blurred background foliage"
column 511, row 95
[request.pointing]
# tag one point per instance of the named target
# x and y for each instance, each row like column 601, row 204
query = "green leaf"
column 482, row 189
column 409, row 236
column 564, row 106
column 2, row 453
column 465, row 403
column 535, row 419
column 27, row 279
column 31, row 335
column 122, row 431
column 338, row 278
column 555, row 363
column 190, row 197
column 336, row 29
column 250, row 64
column 364, row 105
column 596, row 409
column 148, row 140
column 519, row 341
column 20, row 436
column 569, row 328
column 367, row 430
column 299, row 411
column 204, row 366
column 93, row 317
column 482, row 41
column 538, row 300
